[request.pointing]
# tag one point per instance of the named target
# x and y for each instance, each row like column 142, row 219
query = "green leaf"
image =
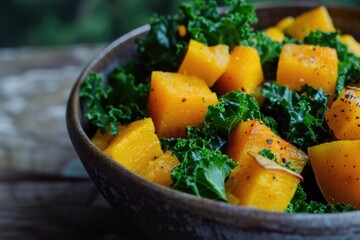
column 271, row 156
column 125, row 90
column 348, row 73
column 202, row 171
column 162, row 48
column 300, row 115
column 203, row 167
column 119, row 102
column 232, row 109
column 205, row 24
column 299, row 204
column 268, row 154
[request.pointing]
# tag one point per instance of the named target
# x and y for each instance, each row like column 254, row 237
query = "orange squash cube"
column 254, row 136
column 102, row 140
column 343, row 117
column 336, row 168
column 177, row 101
column 275, row 34
column 315, row 19
column 306, row 64
column 244, row 71
column 135, row 145
column 207, row 63
column 285, row 23
column 351, row 43
column 266, row 186
column 159, row 170
column 249, row 184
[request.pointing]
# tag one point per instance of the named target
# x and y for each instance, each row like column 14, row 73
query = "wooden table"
column 45, row 192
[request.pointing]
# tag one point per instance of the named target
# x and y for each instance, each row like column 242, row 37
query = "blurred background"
column 55, row 22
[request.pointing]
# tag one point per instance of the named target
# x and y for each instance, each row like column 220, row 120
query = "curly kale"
column 203, row 170
column 207, row 25
column 300, row 204
column 120, row 101
column 232, row 109
column 300, row 115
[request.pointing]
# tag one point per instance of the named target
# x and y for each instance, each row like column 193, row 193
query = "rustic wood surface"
column 45, row 192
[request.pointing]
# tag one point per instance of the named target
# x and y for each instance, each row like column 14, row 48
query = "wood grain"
column 45, row 192
column 56, row 209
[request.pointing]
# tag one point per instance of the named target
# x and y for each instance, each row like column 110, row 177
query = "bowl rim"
column 208, row 207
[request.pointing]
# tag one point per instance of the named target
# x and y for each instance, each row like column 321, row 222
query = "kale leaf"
column 204, row 168
column 300, row 115
column 95, row 94
column 349, row 64
column 202, row 171
column 162, row 48
column 120, row 101
column 207, row 25
column 348, row 73
column 125, row 90
column 299, row 204
column 267, row 153
column 232, row 109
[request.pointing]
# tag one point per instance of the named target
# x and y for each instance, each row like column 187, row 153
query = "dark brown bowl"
column 157, row 212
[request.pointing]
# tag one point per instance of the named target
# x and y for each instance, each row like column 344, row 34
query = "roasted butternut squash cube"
column 177, row 101
column 207, row 63
column 254, row 136
column 336, row 168
column 306, row 64
column 159, row 170
column 182, row 30
column 249, row 184
column 275, row 34
column 102, row 140
column 244, row 71
column 285, row 23
column 351, row 43
column 135, row 145
column 314, row 19
column 343, row 117
column 266, row 185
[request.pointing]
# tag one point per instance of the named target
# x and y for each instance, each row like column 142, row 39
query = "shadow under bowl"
column 158, row 212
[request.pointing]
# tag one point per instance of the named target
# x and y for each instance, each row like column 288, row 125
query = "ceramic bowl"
column 157, row 212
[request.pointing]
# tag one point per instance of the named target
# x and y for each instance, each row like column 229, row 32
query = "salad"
column 212, row 107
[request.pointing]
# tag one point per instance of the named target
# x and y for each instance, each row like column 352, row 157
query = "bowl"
column 157, row 212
